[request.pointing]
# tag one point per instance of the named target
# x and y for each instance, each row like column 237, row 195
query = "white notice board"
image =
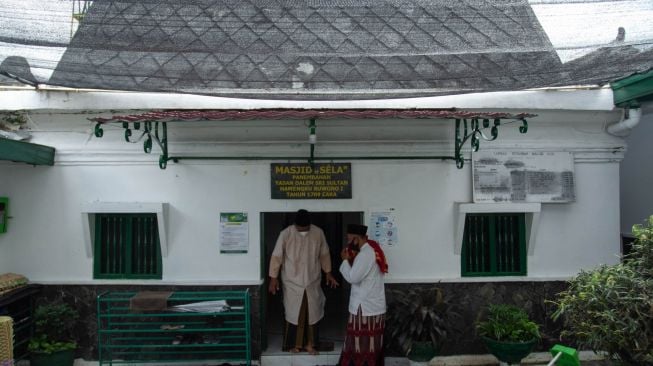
column 523, row 176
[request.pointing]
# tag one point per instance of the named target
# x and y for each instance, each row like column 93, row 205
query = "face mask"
column 303, row 233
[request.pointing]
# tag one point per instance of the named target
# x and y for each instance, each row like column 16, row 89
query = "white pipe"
column 555, row 359
column 629, row 119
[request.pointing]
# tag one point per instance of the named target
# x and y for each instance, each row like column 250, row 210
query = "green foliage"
column 41, row 344
column 507, row 323
column 610, row 308
column 418, row 315
column 641, row 255
column 54, row 325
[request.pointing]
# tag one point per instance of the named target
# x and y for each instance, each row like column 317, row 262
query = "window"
column 494, row 244
column 127, row 246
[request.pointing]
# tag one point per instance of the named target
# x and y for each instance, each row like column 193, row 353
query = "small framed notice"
column 234, row 232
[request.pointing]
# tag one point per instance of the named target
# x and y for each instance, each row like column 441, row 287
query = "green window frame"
column 494, row 245
column 127, row 246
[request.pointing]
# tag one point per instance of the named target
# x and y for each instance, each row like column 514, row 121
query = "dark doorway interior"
column 334, row 224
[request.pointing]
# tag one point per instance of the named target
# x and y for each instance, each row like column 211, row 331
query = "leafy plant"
column 418, row 315
column 54, row 325
column 507, row 323
column 610, row 308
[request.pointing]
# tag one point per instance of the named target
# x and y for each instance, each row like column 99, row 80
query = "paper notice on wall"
column 523, row 176
column 234, row 232
column 383, row 227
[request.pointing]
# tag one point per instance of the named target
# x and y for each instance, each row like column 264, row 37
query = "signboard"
column 383, row 227
column 523, row 176
column 303, row 181
column 234, row 232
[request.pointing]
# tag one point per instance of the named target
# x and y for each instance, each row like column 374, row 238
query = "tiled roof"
column 299, row 48
column 607, row 64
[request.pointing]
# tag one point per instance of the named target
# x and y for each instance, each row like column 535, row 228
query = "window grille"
column 127, row 246
column 494, row 245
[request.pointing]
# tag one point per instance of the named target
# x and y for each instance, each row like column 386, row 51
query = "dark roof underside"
column 267, row 114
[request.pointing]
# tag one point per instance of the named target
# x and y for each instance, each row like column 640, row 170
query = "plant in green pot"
column 508, row 333
column 418, row 321
column 53, row 342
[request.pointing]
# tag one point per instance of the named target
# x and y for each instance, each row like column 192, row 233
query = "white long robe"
column 301, row 260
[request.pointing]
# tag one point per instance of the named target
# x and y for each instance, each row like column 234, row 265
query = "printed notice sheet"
column 234, row 232
column 523, row 176
column 383, row 227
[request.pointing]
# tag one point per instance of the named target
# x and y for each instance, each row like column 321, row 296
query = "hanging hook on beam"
column 312, row 139
column 476, row 132
column 151, row 134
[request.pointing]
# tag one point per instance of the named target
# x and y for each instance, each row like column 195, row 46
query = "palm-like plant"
column 418, row 316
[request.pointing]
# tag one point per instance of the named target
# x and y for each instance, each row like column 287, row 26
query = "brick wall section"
column 470, row 299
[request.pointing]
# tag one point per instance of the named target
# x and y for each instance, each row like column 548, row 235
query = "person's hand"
column 331, row 282
column 344, row 254
column 273, row 286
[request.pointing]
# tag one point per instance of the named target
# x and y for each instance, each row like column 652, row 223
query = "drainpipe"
column 629, row 119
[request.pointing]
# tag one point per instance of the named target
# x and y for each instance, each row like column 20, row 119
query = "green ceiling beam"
column 633, row 90
column 26, row 152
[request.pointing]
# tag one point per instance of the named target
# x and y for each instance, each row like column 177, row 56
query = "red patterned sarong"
column 364, row 341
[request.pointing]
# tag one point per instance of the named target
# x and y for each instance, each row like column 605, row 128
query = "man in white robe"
column 300, row 255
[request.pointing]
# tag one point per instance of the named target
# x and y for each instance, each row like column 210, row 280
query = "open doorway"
column 332, row 326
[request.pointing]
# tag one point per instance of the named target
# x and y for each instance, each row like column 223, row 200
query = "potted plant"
column 508, row 333
column 53, row 342
column 417, row 321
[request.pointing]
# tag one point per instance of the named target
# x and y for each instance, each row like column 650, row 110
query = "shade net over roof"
column 319, row 49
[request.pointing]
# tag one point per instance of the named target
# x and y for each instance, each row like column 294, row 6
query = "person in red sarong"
column 363, row 266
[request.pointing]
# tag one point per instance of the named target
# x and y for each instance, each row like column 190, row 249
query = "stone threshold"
column 535, row 358
column 331, row 358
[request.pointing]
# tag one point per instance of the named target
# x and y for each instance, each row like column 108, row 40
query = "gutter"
column 629, row 119
column 629, row 93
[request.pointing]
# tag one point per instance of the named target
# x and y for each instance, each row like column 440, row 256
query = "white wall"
column 45, row 240
column 637, row 175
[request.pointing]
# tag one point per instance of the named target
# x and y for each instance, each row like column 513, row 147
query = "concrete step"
column 587, row 358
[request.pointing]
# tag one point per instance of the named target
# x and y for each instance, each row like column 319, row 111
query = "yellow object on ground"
column 6, row 341
column 10, row 281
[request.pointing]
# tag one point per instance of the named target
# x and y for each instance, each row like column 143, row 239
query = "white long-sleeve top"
column 366, row 279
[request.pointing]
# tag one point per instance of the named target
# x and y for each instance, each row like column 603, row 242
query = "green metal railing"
column 126, row 336
column 473, row 130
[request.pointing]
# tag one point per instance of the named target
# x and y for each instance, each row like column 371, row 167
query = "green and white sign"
column 234, row 232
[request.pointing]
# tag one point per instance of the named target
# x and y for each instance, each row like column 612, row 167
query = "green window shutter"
column 127, row 247
column 494, row 245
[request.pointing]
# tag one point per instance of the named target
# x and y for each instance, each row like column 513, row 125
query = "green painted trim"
column 491, row 239
column 633, row 89
column 472, row 132
column 127, row 231
column 26, row 152
column 4, row 214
